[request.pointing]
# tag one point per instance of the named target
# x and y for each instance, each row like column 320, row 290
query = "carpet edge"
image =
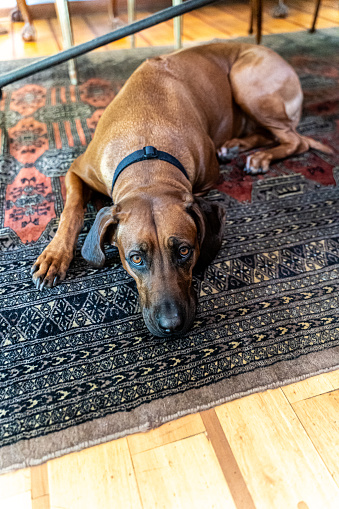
column 9, row 452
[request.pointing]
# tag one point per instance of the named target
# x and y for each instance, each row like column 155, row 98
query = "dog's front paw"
column 51, row 266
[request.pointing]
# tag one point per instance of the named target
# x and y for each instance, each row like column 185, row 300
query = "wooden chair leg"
column 256, row 12
column 317, row 7
column 28, row 32
column 250, row 29
column 113, row 14
column 67, row 35
column 112, row 9
column 259, row 20
column 177, row 27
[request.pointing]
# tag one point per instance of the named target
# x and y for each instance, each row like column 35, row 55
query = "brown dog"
column 188, row 105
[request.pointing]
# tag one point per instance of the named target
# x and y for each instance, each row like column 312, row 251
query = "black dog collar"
column 146, row 153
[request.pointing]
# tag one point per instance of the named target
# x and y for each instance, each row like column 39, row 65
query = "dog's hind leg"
column 52, row 264
column 268, row 91
column 289, row 143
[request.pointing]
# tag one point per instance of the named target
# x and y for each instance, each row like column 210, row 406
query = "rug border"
column 35, row 451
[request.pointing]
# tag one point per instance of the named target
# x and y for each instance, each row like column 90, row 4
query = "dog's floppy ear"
column 210, row 219
column 93, row 248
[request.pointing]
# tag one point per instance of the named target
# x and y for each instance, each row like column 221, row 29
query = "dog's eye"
column 136, row 259
column 184, row 252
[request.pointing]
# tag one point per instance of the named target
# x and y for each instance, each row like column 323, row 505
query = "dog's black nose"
column 170, row 325
column 170, row 318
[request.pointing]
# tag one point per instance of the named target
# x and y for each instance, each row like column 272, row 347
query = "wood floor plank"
column 41, row 502
column 140, row 37
column 15, row 482
column 82, row 32
column 270, row 25
column 328, row 10
column 313, row 386
column 227, row 461
column 15, row 490
column 54, row 34
column 320, row 418
column 40, row 487
column 95, row 478
column 200, row 28
column 158, row 35
column 182, row 475
column 225, row 23
column 43, row 46
column 278, row 461
column 295, row 21
column 39, row 481
column 333, row 377
column 6, row 44
column 170, row 432
column 100, row 24
column 20, row 501
column 304, row 20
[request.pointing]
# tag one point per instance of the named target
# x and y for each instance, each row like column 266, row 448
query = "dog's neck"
column 147, row 153
column 148, row 177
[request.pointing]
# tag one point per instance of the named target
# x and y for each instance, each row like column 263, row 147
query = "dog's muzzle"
column 171, row 317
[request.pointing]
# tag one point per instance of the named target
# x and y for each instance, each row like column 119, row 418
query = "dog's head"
column 160, row 240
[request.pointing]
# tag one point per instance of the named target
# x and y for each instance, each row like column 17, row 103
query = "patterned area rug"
column 78, row 366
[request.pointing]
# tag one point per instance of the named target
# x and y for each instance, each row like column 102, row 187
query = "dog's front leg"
column 52, row 264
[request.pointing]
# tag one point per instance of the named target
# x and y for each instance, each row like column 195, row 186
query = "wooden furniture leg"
column 28, row 32
column 317, row 7
column 250, row 28
column 113, row 14
column 67, row 35
column 259, row 20
column 256, row 12
column 112, row 9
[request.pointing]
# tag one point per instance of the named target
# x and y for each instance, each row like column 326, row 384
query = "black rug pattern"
column 81, row 350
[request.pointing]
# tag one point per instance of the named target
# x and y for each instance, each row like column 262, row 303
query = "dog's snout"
column 170, row 318
column 171, row 315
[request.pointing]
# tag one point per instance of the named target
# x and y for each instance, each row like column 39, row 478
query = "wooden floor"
column 274, row 450
column 215, row 21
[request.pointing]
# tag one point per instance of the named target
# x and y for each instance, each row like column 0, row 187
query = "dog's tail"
column 317, row 145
